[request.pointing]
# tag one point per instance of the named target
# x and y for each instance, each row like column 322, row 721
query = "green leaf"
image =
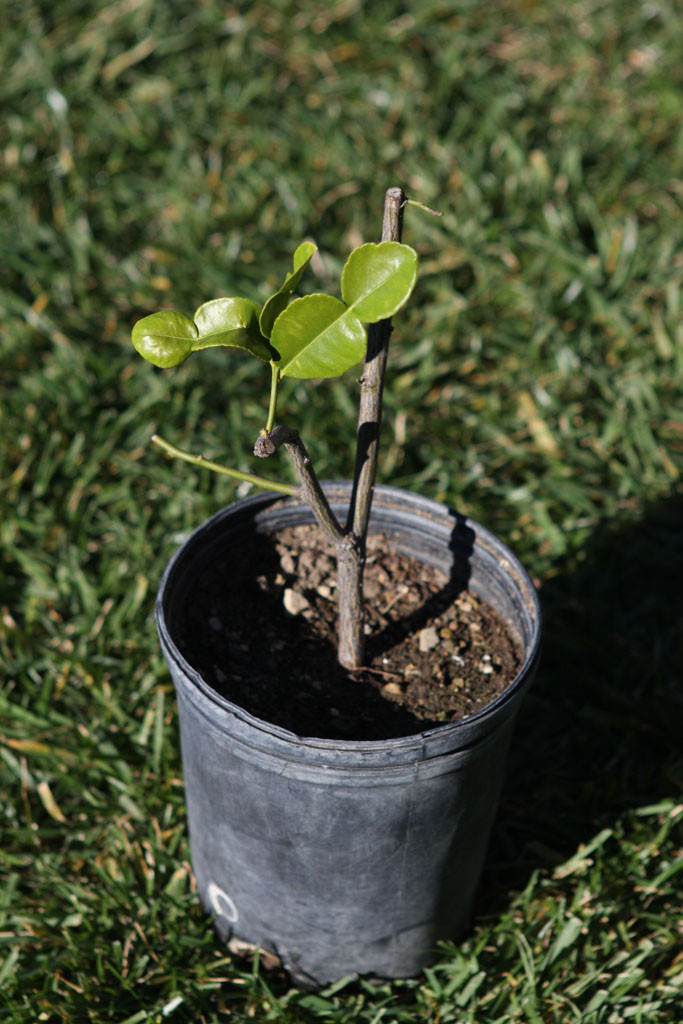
column 279, row 301
column 166, row 338
column 378, row 279
column 231, row 322
column 317, row 336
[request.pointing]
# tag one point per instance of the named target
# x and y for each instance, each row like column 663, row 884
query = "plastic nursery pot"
column 345, row 857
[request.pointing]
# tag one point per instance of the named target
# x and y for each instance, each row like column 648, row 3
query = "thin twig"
column 422, row 206
column 216, row 467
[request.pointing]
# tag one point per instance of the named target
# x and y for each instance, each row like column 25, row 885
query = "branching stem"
column 268, row 444
column 346, row 546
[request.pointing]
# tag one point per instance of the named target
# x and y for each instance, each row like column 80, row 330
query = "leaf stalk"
column 274, row 385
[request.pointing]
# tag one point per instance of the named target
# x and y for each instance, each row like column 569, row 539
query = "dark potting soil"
column 261, row 630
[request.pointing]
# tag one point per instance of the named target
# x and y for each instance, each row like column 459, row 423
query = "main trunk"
column 351, row 553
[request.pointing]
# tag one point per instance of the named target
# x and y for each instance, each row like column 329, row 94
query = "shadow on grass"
column 601, row 730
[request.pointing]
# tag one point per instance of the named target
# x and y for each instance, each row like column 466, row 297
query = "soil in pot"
column 265, row 639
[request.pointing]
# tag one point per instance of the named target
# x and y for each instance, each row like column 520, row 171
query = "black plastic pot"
column 345, row 857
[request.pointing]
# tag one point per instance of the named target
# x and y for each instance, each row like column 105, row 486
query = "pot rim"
column 383, row 495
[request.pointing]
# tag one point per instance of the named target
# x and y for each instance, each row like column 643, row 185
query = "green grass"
column 161, row 154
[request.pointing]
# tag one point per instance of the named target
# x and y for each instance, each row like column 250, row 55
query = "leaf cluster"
column 316, row 336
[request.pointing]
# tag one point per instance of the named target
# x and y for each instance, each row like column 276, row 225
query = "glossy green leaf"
column 166, row 338
column 231, row 322
column 378, row 278
column 279, row 301
column 317, row 336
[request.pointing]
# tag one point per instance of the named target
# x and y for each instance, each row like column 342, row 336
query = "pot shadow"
column 461, row 546
column 600, row 732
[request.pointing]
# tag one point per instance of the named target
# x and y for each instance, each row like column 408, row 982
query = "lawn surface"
column 161, row 154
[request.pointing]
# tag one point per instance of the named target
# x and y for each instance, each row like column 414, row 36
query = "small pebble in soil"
column 294, row 602
column 427, row 639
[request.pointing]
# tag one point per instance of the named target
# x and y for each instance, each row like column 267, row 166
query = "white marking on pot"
column 222, row 903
